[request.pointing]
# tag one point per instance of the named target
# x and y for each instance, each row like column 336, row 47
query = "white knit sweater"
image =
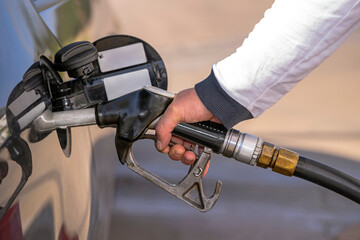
column 292, row 39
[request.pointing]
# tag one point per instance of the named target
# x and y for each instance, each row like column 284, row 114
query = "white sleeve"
column 292, row 39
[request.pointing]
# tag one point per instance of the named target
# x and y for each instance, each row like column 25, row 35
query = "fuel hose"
column 328, row 177
column 253, row 150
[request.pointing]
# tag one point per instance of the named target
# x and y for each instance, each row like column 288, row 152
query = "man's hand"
column 186, row 107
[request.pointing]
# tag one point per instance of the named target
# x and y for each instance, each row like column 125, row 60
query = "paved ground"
column 320, row 117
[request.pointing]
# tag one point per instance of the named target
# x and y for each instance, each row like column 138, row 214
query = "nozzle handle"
column 209, row 134
column 231, row 143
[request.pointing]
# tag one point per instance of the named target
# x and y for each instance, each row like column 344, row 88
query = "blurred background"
column 319, row 118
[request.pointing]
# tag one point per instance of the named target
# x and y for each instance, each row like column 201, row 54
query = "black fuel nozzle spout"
column 130, row 114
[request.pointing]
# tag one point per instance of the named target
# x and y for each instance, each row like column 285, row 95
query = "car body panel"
column 64, row 196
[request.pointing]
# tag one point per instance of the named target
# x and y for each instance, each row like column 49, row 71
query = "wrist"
column 219, row 103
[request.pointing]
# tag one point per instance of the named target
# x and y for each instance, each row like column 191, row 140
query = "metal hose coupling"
column 281, row 160
column 242, row 147
column 250, row 149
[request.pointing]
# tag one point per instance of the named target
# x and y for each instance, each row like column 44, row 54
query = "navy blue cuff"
column 219, row 103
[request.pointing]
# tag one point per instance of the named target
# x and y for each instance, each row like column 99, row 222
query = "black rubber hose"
column 329, row 178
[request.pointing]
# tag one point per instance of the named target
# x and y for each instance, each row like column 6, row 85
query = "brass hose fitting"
column 281, row 160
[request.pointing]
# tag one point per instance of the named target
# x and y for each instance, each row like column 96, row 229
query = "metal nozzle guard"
column 183, row 190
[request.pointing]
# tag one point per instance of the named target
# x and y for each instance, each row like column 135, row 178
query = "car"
column 59, row 185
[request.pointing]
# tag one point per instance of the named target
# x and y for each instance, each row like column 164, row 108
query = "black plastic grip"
column 207, row 134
